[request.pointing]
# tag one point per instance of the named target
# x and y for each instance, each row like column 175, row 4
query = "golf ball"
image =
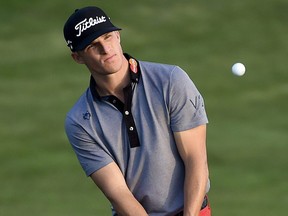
column 238, row 69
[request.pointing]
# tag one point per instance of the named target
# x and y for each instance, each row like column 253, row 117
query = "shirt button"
column 126, row 112
column 114, row 101
column 131, row 128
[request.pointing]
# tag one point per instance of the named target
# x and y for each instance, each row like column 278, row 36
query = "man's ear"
column 77, row 57
column 118, row 35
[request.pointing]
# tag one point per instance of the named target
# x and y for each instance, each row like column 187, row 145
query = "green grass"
column 247, row 133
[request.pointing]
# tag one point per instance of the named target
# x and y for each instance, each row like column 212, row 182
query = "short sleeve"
column 186, row 104
column 90, row 155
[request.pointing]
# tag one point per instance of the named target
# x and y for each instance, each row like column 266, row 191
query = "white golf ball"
column 238, row 69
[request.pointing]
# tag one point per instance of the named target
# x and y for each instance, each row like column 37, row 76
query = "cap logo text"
column 84, row 24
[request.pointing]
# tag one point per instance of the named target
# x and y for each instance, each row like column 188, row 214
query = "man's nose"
column 105, row 47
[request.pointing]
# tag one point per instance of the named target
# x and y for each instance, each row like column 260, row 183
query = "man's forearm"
column 196, row 180
column 127, row 205
column 111, row 182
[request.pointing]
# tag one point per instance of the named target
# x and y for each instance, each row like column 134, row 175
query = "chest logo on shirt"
column 133, row 65
column 86, row 116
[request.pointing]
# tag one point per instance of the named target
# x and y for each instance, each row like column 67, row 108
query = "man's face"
column 103, row 56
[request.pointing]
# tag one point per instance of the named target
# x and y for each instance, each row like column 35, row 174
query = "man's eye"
column 91, row 46
column 108, row 36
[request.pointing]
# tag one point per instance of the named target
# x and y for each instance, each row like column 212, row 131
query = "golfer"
column 139, row 130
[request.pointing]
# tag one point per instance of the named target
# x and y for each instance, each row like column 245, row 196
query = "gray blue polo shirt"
column 138, row 134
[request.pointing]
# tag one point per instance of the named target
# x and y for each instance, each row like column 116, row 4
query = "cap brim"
column 86, row 41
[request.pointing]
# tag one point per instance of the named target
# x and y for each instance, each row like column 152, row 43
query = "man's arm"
column 191, row 145
column 112, row 183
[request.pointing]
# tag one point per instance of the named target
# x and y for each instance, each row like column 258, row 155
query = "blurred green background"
column 248, row 129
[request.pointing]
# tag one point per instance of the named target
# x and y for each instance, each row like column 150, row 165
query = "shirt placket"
column 128, row 117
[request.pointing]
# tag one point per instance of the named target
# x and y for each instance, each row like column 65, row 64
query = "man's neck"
column 113, row 84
